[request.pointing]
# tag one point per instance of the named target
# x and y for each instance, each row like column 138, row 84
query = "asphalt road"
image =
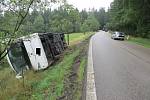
column 122, row 69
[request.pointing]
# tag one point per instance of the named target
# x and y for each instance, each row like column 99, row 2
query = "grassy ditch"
column 60, row 81
column 140, row 41
column 74, row 81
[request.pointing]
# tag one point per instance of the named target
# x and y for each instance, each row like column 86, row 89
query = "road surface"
column 122, row 69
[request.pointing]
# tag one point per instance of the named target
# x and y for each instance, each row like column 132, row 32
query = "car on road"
column 105, row 29
column 118, row 36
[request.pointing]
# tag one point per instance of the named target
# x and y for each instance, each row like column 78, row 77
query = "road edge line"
column 90, row 87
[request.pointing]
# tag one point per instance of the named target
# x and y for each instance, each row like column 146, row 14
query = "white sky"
column 81, row 4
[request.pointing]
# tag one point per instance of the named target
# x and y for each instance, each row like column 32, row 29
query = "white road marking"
column 90, row 88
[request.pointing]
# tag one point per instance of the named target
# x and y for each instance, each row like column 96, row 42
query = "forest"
column 130, row 16
column 65, row 18
column 20, row 18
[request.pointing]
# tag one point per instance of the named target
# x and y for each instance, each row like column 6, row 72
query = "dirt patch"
column 71, row 82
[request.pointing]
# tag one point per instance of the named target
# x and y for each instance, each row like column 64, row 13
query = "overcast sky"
column 81, row 4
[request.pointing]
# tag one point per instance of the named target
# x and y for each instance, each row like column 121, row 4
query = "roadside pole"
column 68, row 38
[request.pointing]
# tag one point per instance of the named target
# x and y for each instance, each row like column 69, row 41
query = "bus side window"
column 38, row 51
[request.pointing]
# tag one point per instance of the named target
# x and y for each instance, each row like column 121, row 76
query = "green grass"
column 77, row 37
column 81, row 69
column 80, row 78
column 140, row 41
column 37, row 85
column 53, row 81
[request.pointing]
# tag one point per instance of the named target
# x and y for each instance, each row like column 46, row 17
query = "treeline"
column 130, row 16
column 66, row 19
column 22, row 17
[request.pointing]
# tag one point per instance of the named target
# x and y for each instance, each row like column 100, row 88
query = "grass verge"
column 75, row 38
column 140, row 41
column 81, row 73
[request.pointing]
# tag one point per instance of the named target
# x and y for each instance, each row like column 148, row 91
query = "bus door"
column 31, row 53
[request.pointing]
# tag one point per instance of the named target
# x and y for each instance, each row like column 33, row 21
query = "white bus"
column 36, row 51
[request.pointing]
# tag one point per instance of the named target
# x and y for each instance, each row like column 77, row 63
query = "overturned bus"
column 36, row 51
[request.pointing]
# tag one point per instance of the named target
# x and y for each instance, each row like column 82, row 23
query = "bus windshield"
column 16, row 56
